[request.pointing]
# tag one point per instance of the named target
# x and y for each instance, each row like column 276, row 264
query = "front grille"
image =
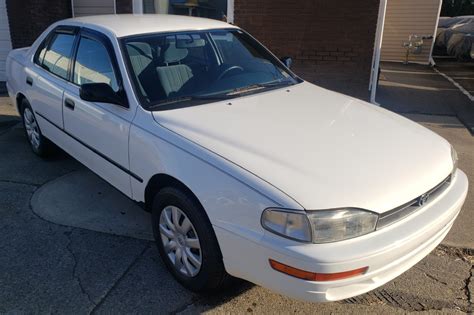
column 412, row 206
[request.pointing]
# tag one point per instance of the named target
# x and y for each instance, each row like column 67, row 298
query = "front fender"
column 232, row 198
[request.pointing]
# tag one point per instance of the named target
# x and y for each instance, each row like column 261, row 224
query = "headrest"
column 139, row 48
column 173, row 54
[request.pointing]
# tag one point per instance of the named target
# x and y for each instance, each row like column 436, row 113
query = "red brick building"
column 331, row 42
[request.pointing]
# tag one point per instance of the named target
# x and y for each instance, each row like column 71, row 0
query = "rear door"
column 49, row 77
column 100, row 130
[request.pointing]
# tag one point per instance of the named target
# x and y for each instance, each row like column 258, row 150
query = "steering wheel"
column 226, row 71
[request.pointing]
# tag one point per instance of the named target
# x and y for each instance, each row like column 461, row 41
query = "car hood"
column 324, row 149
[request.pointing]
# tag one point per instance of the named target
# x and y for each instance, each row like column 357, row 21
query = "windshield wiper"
column 277, row 83
column 222, row 96
column 189, row 98
column 259, row 86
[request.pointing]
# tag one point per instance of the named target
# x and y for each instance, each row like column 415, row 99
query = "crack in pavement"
column 467, row 255
column 116, row 283
column 8, row 181
column 74, row 268
column 467, row 289
column 434, row 278
column 431, row 276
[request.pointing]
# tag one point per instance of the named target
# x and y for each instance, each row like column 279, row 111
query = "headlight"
column 454, row 157
column 292, row 225
column 337, row 225
column 322, row 226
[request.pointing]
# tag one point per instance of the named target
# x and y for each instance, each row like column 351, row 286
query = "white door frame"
column 374, row 74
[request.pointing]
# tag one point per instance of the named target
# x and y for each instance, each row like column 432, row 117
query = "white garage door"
column 93, row 7
column 5, row 41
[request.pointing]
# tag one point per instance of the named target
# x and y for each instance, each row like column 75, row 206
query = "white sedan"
column 248, row 170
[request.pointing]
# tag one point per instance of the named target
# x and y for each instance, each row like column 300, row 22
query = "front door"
column 100, row 130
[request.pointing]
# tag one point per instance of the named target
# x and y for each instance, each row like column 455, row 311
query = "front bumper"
column 388, row 252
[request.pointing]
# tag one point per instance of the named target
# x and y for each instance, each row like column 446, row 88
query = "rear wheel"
column 186, row 241
column 38, row 143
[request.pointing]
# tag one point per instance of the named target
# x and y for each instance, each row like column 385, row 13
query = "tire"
column 40, row 145
column 211, row 275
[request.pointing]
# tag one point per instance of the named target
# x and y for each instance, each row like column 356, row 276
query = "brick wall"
column 29, row 18
column 331, row 42
column 124, row 6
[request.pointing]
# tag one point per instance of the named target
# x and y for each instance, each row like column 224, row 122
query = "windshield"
column 201, row 65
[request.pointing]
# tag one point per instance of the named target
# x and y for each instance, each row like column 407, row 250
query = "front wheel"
column 186, row 241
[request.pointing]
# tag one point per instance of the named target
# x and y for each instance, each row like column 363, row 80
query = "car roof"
column 122, row 25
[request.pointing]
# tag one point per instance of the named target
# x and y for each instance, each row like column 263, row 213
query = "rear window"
column 56, row 56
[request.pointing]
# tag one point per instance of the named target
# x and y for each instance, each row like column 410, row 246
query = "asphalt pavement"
column 460, row 72
column 445, row 90
column 70, row 243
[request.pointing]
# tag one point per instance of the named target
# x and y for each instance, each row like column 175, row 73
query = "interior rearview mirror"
column 287, row 61
column 102, row 93
column 191, row 43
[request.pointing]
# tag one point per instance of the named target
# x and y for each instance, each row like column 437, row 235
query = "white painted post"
column 377, row 51
column 137, row 6
column 230, row 11
column 72, row 8
column 434, row 33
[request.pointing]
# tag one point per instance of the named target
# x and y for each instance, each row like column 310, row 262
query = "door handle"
column 69, row 103
column 29, row 81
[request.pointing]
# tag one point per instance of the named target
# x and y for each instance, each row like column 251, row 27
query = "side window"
column 93, row 64
column 39, row 55
column 57, row 57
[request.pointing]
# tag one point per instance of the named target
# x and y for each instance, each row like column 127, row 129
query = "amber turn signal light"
column 312, row 276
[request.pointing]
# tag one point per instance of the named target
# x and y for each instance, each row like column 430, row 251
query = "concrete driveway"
column 70, row 243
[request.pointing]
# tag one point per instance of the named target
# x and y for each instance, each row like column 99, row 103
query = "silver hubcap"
column 32, row 129
column 180, row 241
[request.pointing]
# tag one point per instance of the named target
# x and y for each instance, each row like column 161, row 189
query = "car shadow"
column 211, row 301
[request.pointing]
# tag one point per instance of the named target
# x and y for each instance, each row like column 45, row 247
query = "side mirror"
column 102, row 93
column 287, row 61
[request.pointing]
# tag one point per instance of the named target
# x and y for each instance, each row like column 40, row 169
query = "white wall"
column 5, row 40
